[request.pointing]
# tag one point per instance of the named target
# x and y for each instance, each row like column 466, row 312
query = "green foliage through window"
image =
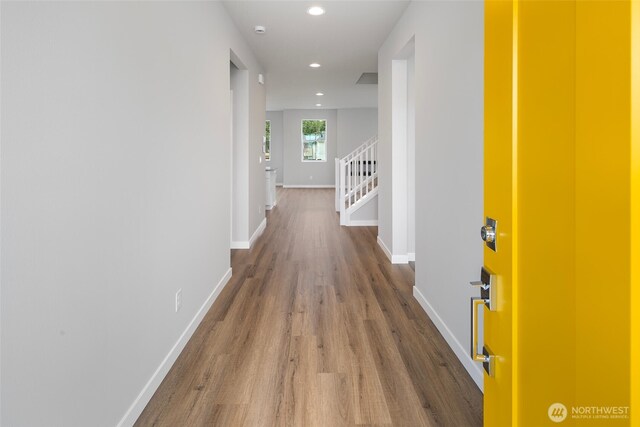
column 314, row 140
column 267, row 140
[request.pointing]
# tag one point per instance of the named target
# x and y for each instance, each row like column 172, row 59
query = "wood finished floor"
column 315, row 328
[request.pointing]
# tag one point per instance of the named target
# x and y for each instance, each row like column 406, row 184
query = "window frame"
column 326, row 140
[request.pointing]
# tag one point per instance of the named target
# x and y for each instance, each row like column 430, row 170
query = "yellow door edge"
column 635, row 213
column 514, row 215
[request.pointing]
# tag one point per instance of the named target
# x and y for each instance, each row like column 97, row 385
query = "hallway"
column 316, row 327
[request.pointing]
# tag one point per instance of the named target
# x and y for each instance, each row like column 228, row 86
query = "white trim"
column 362, row 201
column 244, row 244
column 258, row 232
column 152, row 385
column 384, row 247
column 411, row 256
column 395, row 259
column 278, row 184
column 363, row 223
column 400, row 259
column 240, row 245
column 473, row 368
column 309, row 186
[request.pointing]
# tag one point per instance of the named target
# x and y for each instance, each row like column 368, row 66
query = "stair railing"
column 357, row 176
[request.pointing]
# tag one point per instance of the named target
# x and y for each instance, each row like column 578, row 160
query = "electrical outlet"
column 178, row 300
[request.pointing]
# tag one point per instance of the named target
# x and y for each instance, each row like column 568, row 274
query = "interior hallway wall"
column 115, row 182
column 355, row 126
column 449, row 158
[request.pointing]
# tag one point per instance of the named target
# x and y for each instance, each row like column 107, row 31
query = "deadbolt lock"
column 488, row 233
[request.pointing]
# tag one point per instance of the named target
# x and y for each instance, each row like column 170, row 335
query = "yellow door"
column 562, row 182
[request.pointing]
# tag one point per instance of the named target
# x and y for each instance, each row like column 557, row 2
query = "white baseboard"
column 240, row 245
column 473, row 368
column 258, row 232
column 395, row 259
column 246, row 244
column 278, row 184
column 400, row 259
column 152, row 385
column 309, row 186
column 384, row 247
column 363, row 222
column 411, row 256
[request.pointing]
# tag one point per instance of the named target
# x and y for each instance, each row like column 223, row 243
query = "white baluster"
column 350, row 183
column 366, row 173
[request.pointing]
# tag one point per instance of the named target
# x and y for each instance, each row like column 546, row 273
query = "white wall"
column 277, row 143
column 115, row 182
column 355, row 126
column 411, row 156
column 449, row 158
column 297, row 172
column 240, row 155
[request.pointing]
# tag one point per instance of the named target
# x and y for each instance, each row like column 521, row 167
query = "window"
column 267, row 141
column 314, row 140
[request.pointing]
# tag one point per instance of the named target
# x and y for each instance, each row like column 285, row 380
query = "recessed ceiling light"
column 318, row 105
column 314, row 65
column 315, row 11
column 319, row 94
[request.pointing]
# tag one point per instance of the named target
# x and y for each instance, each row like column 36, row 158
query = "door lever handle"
column 487, row 359
column 479, row 284
column 475, row 303
column 487, row 298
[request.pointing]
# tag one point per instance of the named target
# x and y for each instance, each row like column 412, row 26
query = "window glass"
column 314, row 140
column 267, row 140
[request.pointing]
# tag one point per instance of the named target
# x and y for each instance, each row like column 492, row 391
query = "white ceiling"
column 345, row 41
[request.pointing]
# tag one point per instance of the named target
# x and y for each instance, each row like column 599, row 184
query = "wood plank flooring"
column 315, row 328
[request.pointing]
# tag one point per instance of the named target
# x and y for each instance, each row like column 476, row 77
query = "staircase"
column 357, row 181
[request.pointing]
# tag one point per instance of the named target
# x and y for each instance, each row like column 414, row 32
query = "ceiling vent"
column 368, row 79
